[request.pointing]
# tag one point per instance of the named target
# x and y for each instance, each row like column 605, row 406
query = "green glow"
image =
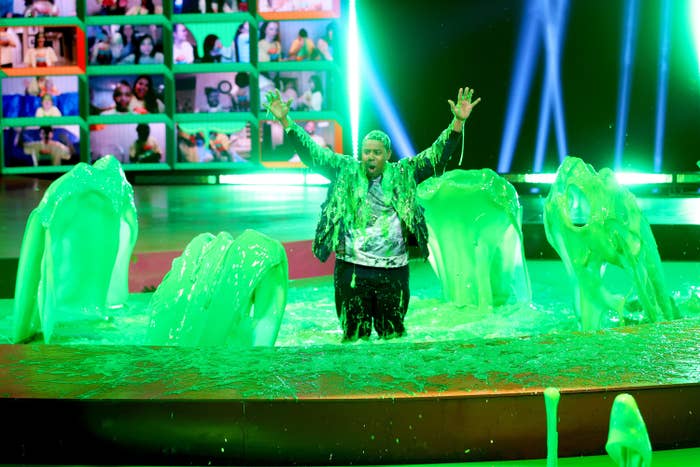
column 551, row 401
column 628, row 441
column 695, row 25
column 476, row 250
column 277, row 179
column 540, row 178
column 205, row 127
column 593, row 222
column 220, row 291
column 623, row 178
column 76, row 249
column 638, row 178
column 354, row 76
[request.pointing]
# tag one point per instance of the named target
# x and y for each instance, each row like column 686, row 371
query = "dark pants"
column 365, row 296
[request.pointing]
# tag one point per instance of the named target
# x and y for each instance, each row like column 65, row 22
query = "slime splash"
column 592, row 223
column 222, row 290
column 628, row 441
column 474, row 222
column 76, row 248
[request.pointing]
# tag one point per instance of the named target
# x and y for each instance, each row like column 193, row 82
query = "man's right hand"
column 277, row 107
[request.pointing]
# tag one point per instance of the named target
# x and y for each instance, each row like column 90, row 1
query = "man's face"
column 122, row 97
column 374, row 157
column 213, row 98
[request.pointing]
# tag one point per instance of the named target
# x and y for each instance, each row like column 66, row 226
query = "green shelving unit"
column 85, row 124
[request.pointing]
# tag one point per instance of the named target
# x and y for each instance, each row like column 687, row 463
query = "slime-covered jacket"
column 346, row 203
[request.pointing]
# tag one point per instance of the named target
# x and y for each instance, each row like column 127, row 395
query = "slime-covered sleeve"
column 316, row 157
column 433, row 160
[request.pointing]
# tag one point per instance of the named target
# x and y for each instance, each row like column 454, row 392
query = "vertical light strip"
column 626, row 78
column 695, row 25
column 353, row 75
column 662, row 90
column 525, row 56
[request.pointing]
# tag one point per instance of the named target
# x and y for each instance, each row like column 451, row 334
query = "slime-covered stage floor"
column 464, row 386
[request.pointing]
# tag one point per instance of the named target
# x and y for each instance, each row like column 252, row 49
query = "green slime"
column 593, row 222
column 222, row 291
column 551, row 401
column 475, row 236
column 76, row 248
column 628, row 441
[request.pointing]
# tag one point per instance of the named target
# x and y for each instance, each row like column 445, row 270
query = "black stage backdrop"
column 424, row 51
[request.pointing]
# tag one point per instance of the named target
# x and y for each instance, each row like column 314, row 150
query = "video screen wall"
column 174, row 84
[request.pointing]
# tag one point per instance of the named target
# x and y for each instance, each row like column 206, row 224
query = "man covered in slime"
column 368, row 214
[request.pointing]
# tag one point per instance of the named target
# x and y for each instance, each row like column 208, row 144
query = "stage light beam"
column 353, row 51
column 526, row 57
column 628, row 49
column 553, row 27
column 662, row 89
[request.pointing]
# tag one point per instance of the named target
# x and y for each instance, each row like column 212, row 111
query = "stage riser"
column 332, row 432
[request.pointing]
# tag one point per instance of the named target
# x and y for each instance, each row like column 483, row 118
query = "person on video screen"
column 183, row 51
column 145, row 53
column 47, row 108
column 144, row 98
column 47, row 151
column 40, row 55
column 269, row 45
column 9, row 47
column 122, row 96
column 145, row 148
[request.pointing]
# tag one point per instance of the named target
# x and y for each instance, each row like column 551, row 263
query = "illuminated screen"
column 296, row 40
column 40, row 96
column 277, row 151
column 209, row 6
column 212, row 92
column 307, row 90
column 119, row 94
column 125, row 44
column 37, row 8
column 41, row 47
column 220, row 42
column 40, row 146
column 124, row 7
column 289, row 9
column 214, row 142
column 130, row 143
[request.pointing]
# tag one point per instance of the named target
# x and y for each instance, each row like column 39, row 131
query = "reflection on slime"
column 475, row 238
column 593, row 222
column 222, row 290
column 76, row 248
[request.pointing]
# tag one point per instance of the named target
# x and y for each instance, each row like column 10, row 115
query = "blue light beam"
column 624, row 89
column 553, row 32
column 526, row 56
column 387, row 112
column 662, row 90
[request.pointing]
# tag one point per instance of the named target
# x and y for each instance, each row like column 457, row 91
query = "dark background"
column 424, row 51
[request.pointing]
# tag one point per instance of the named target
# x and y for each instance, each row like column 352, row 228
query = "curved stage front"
column 371, row 403
column 399, row 403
